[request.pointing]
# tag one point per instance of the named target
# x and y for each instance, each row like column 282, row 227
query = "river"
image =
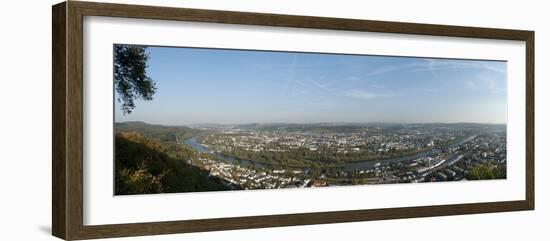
column 193, row 143
column 362, row 165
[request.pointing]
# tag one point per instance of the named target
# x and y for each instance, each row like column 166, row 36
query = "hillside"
column 141, row 167
column 160, row 133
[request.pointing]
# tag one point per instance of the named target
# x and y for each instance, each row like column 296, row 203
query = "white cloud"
column 485, row 82
column 433, row 65
column 430, row 90
column 471, row 85
column 364, row 94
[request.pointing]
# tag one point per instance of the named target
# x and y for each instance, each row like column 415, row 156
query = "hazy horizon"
column 311, row 123
column 212, row 86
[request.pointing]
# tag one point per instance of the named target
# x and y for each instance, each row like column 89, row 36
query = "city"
column 377, row 154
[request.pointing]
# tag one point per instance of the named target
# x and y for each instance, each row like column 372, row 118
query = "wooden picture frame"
column 67, row 124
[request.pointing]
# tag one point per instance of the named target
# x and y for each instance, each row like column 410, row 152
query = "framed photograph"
column 171, row 120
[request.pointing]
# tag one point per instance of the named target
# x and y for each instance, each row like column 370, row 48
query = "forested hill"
column 143, row 167
column 160, row 133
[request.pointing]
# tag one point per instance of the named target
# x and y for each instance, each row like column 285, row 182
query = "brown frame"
column 67, row 121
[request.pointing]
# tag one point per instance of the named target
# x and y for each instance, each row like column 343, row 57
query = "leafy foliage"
column 132, row 181
column 487, row 172
column 130, row 76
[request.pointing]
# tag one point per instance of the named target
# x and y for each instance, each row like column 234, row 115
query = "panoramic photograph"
column 204, row 119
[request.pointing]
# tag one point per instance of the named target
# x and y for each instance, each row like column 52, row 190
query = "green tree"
column 130, row 76
column 140, row 180
column 481, row 172
column 486, row 172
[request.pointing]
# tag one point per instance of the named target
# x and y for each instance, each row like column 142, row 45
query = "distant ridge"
column 282, row 125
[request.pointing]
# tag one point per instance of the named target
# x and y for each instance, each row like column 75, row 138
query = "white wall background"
column 25, row 119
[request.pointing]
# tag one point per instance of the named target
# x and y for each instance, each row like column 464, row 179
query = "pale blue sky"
column 236, row 86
